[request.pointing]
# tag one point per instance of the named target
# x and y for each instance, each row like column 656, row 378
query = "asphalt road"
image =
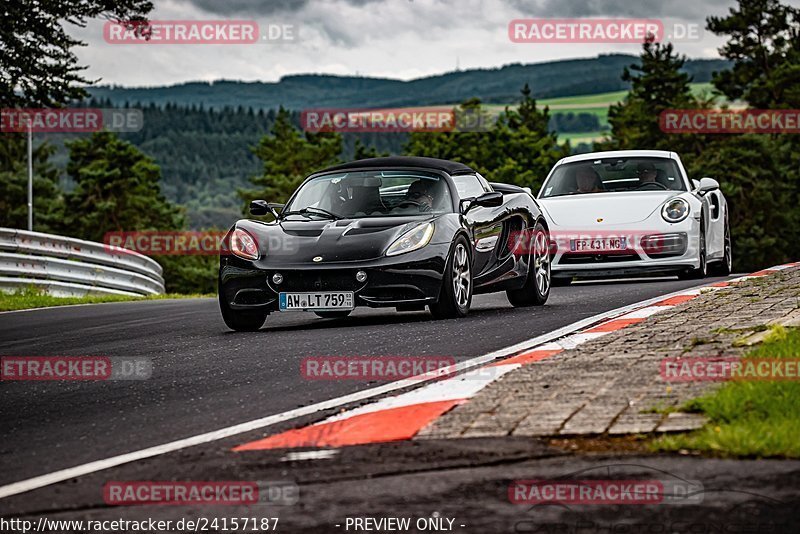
column 206, row 377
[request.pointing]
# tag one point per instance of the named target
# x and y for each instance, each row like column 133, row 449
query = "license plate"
column 329, row 300
column 606, row 244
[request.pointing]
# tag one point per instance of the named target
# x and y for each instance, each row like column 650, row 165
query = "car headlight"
column 414, row 239
column 243, row 245
column 675, row 210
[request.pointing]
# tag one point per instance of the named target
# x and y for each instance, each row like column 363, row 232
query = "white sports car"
column 633, row 212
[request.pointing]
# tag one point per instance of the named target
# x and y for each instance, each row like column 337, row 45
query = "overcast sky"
column 384, row 38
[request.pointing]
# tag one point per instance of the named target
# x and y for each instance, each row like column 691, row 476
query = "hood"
column 582, row 211
column 299, row 241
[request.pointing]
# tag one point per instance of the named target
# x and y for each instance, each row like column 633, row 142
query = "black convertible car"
column 396, row 232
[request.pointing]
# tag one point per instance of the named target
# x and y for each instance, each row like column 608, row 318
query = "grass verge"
column 748, row 418
column 30, row 298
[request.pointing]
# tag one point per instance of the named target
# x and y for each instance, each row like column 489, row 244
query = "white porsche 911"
column 633, row 212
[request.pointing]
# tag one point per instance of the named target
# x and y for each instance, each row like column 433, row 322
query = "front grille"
column 330, row 280
column 583, row 259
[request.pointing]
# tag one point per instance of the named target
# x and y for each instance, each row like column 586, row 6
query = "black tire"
column 725, row 267
column 452, row 302
column 241, row 321
column 333, row 314
column 537, row 285
column 702, row 271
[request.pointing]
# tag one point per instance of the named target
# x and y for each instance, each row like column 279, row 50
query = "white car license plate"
column 605, row 244
column 329, row 300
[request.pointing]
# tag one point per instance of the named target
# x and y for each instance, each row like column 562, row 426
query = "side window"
column 468, row 185
column 486, row 187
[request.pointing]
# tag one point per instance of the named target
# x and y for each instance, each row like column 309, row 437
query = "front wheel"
column 537, row 284
column 455, row 296
column 249, row 321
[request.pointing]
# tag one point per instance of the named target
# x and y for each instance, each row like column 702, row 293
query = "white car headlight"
column 414, row 239
column 244, row 245
column 675, row 210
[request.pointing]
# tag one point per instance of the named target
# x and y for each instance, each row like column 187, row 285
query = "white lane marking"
column 574, row 340
column 643, row 313
column 99, row 465
column 321, row 454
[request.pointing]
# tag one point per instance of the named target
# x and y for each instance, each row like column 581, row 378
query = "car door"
column 484, row 223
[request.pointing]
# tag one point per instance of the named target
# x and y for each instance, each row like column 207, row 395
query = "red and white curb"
column 403, row 416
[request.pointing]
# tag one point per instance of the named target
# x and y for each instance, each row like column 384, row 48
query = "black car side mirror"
column 262, row 207
column 486, row 200
column 490, row 200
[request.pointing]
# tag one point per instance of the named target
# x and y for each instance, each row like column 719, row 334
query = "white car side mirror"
column 706, row 185
column 695, row 184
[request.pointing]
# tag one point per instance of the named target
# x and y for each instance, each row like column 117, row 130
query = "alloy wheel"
column 461, row 276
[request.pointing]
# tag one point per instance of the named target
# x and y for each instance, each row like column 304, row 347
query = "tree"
column 764, row 45
column 48, row 206
column 657, row 84
column 116, row 189
column 517, row 149
column 38, row 67
column 289, row 156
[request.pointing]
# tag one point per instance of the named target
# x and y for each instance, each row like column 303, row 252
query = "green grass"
column 749, row 418
column 32, row 298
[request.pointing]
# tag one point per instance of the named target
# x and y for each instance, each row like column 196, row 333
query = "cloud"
column 678, row 9
column 263, row 7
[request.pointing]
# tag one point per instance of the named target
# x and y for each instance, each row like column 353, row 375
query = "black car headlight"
column 414, row 239
column 244, row 245
column 675, row 210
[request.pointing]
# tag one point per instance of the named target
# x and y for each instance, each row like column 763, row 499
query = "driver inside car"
column 647, row 173
column 421, row 194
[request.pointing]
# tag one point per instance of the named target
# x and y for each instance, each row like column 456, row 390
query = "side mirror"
column 262, row 207
column 486, row 200
column 706, row 185
column 695, row 184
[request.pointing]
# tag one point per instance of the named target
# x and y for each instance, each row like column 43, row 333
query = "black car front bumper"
column 408, row 280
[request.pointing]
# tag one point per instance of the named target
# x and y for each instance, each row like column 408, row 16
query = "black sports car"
column 396, row 232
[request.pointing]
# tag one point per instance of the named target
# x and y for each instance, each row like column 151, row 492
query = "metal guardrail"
column 74, row 267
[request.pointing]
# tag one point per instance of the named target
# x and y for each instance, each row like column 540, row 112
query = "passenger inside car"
column 587, row 180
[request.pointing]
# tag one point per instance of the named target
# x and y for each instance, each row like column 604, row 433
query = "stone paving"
column 612, row 385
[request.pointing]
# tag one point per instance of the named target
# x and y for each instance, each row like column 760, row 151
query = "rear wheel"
column 537, row 285
column 725, row 267
column 333, row 314
column 248, row 321
column 455, row 296
column 702, row 270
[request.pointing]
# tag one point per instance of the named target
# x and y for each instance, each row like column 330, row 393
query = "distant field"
column 596, row 104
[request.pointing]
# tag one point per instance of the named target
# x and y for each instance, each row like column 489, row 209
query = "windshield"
column 614, row 174
column 360, row 194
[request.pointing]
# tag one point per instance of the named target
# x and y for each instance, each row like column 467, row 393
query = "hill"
column 498, row 86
